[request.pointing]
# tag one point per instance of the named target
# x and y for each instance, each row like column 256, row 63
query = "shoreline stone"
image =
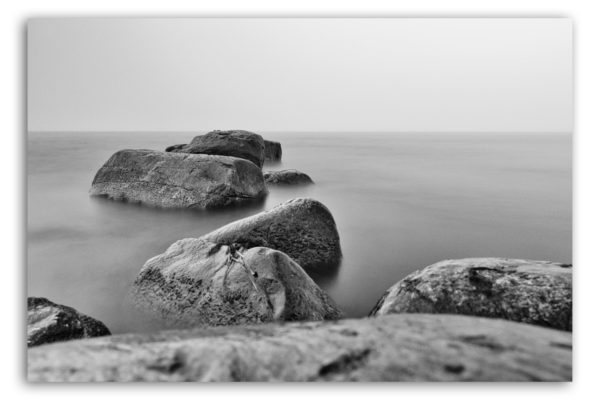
column 178, row 180
column 302, row 228
column 407, row 347
column 196, row 282
column 48, row 322
column 534, row 292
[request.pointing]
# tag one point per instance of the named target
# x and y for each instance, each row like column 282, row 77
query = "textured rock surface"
column 49, row 322
column 272, row 151
column 287, row 177
column 407, row 347
column 235, row 143
column 178, row 180
column 304, row 229
column 535, row 292
column 194, row 283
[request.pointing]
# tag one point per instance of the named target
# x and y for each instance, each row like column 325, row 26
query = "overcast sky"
column 300, row 74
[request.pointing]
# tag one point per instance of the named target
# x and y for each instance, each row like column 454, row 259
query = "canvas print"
column 299, row 199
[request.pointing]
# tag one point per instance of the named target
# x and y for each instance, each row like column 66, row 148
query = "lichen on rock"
column 535, row 292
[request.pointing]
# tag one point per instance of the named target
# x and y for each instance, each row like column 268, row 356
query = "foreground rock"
column 272, row 151
column 304, row 229
column 287, row 177
column 535, row 292
column 235, row 143
column 178, row 180
column 49, row 322
column 195, row 282
column 405, row 347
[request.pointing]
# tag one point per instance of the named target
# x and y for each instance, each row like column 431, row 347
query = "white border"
column 586, row 190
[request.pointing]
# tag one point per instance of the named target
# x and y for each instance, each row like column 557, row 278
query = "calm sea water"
column 401, row 202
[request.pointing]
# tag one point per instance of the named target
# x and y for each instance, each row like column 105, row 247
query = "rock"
column 236, row 143
column 534, row 292
column 195, row 283
column 302, row 228
column 408, row 347
column 49, row 322
column 178, row 180
column 272, row 151
column 287, row 177
column 175, row 147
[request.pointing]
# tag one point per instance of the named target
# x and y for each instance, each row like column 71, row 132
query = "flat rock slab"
column 302, row 228
column 196, row 282
column 409, row 347
column 48, row 322
column 287, row 177
column 234, row 143
column 178, row 180
column 272, row 151
column 535, row 292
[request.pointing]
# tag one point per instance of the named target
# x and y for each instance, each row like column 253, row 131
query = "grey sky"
column 300, row 74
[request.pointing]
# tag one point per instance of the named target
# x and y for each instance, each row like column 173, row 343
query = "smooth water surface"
column 401, row 202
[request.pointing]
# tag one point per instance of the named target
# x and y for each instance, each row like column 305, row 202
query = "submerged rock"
column 178, row 180
column 408, row 347
column 49, row 322
column 535, row 292
column 304, row 229
column 272, row 151
column 235, row 143
column 287, row 177
column 196, row 282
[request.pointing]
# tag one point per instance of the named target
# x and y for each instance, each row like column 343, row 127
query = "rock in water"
column 49, row 322
column 408, row 347
column 196, row 282
column 236, row 143
column 272, row 151
column 175, row 147
column 178, row 180
column 287, row 177
column 535, row 292
column 304, row 229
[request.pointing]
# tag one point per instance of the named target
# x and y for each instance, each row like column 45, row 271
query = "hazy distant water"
column 401, row 202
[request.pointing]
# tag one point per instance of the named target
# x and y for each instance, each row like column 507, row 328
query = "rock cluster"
column 237, row 285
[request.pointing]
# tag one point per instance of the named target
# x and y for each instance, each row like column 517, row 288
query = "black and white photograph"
column 299, row 199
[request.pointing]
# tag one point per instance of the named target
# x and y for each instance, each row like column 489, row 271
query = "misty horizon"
column 306, row 74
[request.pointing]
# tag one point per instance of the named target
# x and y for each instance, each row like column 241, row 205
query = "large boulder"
column 287, row 177
column 235, row 143
column 535, row 292
column 302, row 228
column 196, row 282
column 178, row 180
column 409, row 347
column 49, row 322
column 272, row 151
